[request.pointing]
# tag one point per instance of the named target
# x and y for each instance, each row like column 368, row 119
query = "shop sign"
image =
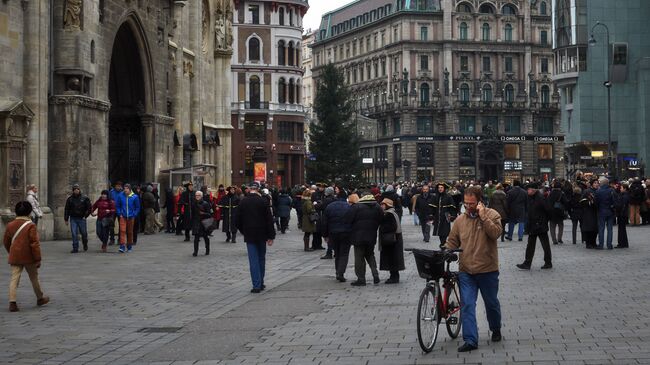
column 545, row 170
column 367, row 160
column 513, row 165
column 260, row 171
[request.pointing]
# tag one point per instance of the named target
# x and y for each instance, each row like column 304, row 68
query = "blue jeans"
column 78, row 225
column 602, row 221
column 511, row 226
column 416, row 221
column 257, row 262
column 488, row 284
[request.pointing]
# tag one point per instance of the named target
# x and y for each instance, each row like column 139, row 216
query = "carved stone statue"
column 446, row 74
column 405, row 82
column 72, row 15
column 205, row 26
column 223, row 25
column 220, row 34
column 229, row 15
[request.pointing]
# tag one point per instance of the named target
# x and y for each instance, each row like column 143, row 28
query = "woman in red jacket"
column 215, row 203
column 105, row 217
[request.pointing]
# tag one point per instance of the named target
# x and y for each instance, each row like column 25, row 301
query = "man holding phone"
column 476, row 232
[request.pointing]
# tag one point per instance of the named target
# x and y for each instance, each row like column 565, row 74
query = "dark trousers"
column 284, row 224
column 426, row 229
column 187, row 234
column 170, row 222
column 574, row 230
column 590, row 238
column 622, row 232
column 317, row 241
column 299, row 216
column 340, row 243
column 111, row 233
column 530, row 248
column 504, row 222
column 179, row 225
column 363, row 254
column 231, row 236
column 197, row 238
column 443, row 239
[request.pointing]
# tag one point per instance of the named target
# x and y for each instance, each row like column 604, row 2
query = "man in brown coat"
column 22, row 244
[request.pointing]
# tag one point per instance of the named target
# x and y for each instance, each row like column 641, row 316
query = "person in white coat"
column 32, row 198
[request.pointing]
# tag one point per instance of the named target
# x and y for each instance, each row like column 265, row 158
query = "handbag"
column 314, row 217
column 388, row 239
column 208, row 224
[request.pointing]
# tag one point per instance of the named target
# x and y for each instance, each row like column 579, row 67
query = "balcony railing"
column 265, row 105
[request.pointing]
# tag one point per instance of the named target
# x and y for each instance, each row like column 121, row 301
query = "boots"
column 13, row 307
column 234, row 237
column 306, row 243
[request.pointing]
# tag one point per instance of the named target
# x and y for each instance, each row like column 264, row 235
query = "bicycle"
column 433, row 266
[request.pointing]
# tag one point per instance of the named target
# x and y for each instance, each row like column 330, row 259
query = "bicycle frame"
column 450, row 280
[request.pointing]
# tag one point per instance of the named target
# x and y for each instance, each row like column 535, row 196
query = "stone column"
column 176, row 44
column 196, row 125
column 149, row 160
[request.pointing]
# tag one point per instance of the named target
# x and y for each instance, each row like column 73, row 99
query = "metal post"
column 611, row 166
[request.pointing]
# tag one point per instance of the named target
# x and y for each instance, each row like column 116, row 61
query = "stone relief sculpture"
column 205, row 26
column 72, row 15
column 223, row 25
column 229, row 15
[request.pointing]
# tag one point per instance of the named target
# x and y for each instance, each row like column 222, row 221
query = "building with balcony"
column 268, row 117
column 580, row 72
column 456, row 89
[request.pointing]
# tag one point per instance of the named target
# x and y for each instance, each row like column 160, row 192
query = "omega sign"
column 513, row 138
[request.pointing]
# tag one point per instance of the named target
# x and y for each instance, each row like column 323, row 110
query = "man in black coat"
column 364, row 217
column 228, row 205
column 320, row 208
column 424, row 211
column 185, row 206
column 444, row 212
column 539, row 212
column 516, row 199
column 255, row 221
column 337, row 231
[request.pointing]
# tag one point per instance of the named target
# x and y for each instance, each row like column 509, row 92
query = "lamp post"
column 608, row 85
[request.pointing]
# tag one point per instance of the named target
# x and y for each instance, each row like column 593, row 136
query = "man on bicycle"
column 476, row 232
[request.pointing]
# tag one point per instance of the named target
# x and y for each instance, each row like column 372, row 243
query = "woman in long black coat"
column 575, row 213
column 201, row 210
column 228, row 205
column 391, row 254
column 589, row 219
column 184, row 205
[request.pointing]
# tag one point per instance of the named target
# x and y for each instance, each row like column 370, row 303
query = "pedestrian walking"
column 32, row 198
column 589, row 222
column 149, row 205
column 424, row 211
column 476, row 232
column 284, row 203
column 391, row 242
column 539, row 213
column 559, row 204
column 128, row 211
column 114, row 195
column 255, row 222
column 170, row 209
column 606, row 212
column 444, row 212
column 185, row 206
column 309, row 218
column 622, row 205
column 201, row 211
column 500, row 204
column 517, row 200
column 24, row 248
column 105, row 208
column 364, row 217
column 337, row 233
column 77, row 209
column 228, row 205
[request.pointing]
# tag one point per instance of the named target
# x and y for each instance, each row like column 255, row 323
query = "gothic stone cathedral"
column 94, row 91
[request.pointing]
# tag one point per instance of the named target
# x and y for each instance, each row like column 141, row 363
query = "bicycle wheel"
column 453, row 311
column 428, row 317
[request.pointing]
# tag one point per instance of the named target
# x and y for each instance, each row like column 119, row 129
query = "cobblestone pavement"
column 160, row 305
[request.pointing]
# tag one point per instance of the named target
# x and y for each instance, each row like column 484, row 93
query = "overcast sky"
column 316, row 10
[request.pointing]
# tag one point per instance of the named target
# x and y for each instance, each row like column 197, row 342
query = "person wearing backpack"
column 559, row 203
column 23, row 245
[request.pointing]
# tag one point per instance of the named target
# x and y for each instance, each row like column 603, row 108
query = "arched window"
column 486, row 31
column 464, row 8
column 487, row 93
column 298, row 88
column 464, row 92
column 291, row 54
column 508, row 9
column 254, row 92
column 281, row 56
column 292, row 91
column 424, row 94
column 463, row 31
column 546, row 95
column 281, row 11
column 282, row 91
column 542, row 8
column 510, row 93
column 508, row 32
column 486, row 9
column 254, row 49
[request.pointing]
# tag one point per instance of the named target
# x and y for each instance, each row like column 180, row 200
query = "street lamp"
column 608, row 85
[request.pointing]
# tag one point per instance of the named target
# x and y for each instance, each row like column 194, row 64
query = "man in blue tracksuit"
column 113, row 195
column 128, row 208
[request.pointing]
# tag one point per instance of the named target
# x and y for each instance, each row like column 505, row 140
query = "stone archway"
column 128, row 93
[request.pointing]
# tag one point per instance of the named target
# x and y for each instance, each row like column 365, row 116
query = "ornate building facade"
column 458, row 89
column 98, row 91
column 268, row 117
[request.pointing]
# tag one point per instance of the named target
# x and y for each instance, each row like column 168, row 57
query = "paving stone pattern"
column 591, row 308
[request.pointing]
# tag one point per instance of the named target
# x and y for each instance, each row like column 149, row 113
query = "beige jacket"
column 478, row 239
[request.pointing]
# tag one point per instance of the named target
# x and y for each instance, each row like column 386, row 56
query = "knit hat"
column 75, row 187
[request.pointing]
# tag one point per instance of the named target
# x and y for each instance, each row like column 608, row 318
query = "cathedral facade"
column 95, row 91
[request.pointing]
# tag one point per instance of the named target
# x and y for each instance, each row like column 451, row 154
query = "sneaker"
column 467, row 347
column 41, row 302
column 358, row 283
column 523, row 267
column 122, row 249
column 129, row 248
column 496, row 336
column 547, row 266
